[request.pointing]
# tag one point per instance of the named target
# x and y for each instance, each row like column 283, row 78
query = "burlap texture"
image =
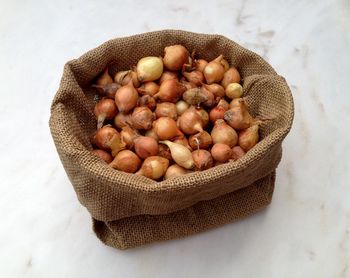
column 130, row 210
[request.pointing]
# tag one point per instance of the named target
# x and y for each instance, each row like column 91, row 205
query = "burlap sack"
column 129, row 210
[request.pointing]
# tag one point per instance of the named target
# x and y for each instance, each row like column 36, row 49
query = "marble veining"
column 305, row 232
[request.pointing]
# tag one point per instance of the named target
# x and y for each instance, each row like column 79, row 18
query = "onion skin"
column 147, row 101
column 175, row 171
column 105, row 156
column 175, row 56
column 237, row 152
column 126, row 161
column 182, row 140
column 210, row 98
column 216, row 113
column 224, row 104
column 104, row 79
column 234, row 90
column 214, row 71
column 231, row 76
column 235, row 102
column 151, row 133
column 142, row 118
column 104, row 136
column 188, row 85
column 191, row 122
column 166, row 109
column 170, row 91
column 225, row 64
column 108, row 90
column 238, row 117
column 181, row 107
column 202, row 159
column 249, row 137
column 126, row 98
column 200, row 64
column 121, row 120
column 148, row 88
column 105, row 109
column 194, row 96
column 221, row 152
column 154, row 167
column 180, row 154
column 146, row 146
column 164, row 151
column 124, row 77
column 168, row 75
column 149, row 68
column 127, row 136
column 196, row 77
column 223, row 133
column 204, row 116
column 200, row 140
column 166, row 128
column 215, row 89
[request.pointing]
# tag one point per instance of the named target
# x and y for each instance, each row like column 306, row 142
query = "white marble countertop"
column 305, row 232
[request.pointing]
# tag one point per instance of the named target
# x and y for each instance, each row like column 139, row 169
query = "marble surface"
column 305, row 232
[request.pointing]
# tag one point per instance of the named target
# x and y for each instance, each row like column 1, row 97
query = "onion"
column 146, row 146
column 180, row 154
column 148, row 88
column 238, row 117
column 108, row 90
column 214, row 71
column 166, row 109
column 166, row 128
column 181, row 107
column 128, row 135
column 190, row 122
column 237, row 152
column 175, row 171
column 151, row 133
column 200, row 64
column 170, row 91
column 231, row 76
column 195, row 96
column 175, row 56
column 104, row 79
column 215, row 89
column 249, row 137
column 168, row 75
column 234, row 90
column 105, row 156
column 142, row 118
column 216, row 113
column 124, row 77
column 210, row 97
column 126, row 98
column 147, row 101
column 154, row 167
column 204, row 116
column 200, row 140
column 223, row 133
column 149, row 68
column 164, row 151
column 224, row 104
column 105, row 109
column 121, row 120
column 188, row 85
column 221, row 152
column 126, row 161
column 225, row 64
column 235, row 102
column 196, row 77
column 182, row 140
column 103, row 137
column 202, row 159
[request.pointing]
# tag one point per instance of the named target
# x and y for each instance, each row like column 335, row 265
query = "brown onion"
column 103, row 137
column 108, row 90
column 105, row 109
column 175, row 171
column 126, row 98
column 181, row 107
column 188, row 85
column 225, row 64
column 180, row 154
column 146, row 146
column 214, row 71
column 170, row 91
column 231, row 76
column 200, row 64
column 204, row 116
column 216, row 113
column 190, row 122
column 126, row 161
column 210, row 97
column 182, row 140
column 223, row 133
column 166, row 128
column 164, row 151
column 128, row 135
column 202, row 159
column 104, row 79
column 151, row 133
column 175, row 56
column 235, row 102
column 149, row 68
column 166, row 109
column 196, row 77
column 224, row 104
column 234, row 90
column 216, row 89
column 168, row 75
column 154, row 167
column 249, row 137
column 124, row 77
column 200, row 140
column 148, row 88
column 147, row 101
column 105, row 156
column 237, row 152
column 142, row 118
column 121, row 120
column 195, row 96
column 238, row 117
column 221, row 152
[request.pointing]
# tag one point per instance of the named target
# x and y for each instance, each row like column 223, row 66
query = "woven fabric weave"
column 130, row 210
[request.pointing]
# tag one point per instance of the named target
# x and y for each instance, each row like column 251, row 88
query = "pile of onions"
column 170, row 116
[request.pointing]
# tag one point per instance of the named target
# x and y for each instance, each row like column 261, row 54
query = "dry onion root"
column 172, row 115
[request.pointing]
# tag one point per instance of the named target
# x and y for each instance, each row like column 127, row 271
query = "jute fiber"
column 130, row 210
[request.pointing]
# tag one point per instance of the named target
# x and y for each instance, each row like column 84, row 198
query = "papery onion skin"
column 105, row 109
column 126, row 98
column 146, row 146
column 104, row 79
column 149, row 68
column 142, row 118
column 200, row 140
column 154, row 167
column 202, row 159
column 237, row 152
column 166, row 109
column 175, row 56
column 231, row 76
column 166, row 128
column 103, row 137
column 249, row 137
column 126, row 161
column 170, row 91
column 105, row 156
column 223, row 133
column 221, row 152
column 191, row 122
column 175, row 171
